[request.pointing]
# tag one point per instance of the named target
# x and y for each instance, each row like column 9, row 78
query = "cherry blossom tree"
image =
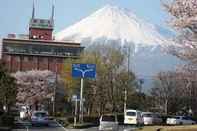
column 183, row 81
column 34, row 86
column 184, row 20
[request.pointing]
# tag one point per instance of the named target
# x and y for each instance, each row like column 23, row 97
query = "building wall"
column 16, row 63
column 42, row 34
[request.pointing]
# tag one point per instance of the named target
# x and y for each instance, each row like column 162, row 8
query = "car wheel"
column 181, row 123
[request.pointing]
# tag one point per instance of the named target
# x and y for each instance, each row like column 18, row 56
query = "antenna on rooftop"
column 33, row 10
column 53, row 11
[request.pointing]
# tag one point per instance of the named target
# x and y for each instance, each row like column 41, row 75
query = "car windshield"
column 131, row 113
column 108, row 118
column 40, row 114
column 147, row 115
column 174, row 117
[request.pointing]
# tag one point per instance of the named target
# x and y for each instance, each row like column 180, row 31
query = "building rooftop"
column 43, row 42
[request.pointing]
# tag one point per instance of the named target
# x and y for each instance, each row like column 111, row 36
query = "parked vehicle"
column 133, row 117
column 108, row 122
column 180, row 120
column 150, row 118
column 40, row 118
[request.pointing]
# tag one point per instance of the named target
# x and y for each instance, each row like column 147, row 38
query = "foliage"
column 184, row 16
column 106, row 92
column 7, row 120
column 8, row 88
column 174, row 88
column 184, row 19
column 34, row 86
column 183, row 12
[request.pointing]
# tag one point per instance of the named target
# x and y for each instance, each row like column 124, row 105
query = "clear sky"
column 15, row 14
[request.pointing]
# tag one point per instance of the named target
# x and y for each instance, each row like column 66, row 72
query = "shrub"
column 120, row 118
column 91, row 119
column 6, row 120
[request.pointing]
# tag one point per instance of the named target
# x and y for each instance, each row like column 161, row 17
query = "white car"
column 133, row 117
column 150, row 118
column 40, row 118
column 108, row 122
column 180, row 120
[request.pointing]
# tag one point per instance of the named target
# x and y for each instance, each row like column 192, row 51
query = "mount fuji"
column 115, row 25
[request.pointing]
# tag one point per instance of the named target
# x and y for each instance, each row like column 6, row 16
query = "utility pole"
column 125, row 92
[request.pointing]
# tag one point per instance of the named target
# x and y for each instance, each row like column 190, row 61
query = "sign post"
column 81, row 102
column 75, row 99
column 83, row 71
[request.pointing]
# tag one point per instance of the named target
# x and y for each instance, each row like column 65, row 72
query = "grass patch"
column 168, row 128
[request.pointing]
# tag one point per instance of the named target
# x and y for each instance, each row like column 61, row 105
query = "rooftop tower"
column 41, row 29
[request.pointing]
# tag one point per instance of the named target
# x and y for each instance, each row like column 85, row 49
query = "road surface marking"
column 60, row 125
column 27, row 128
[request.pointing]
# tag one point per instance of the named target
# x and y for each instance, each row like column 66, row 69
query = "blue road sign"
column 75, row 98
column 84, row 70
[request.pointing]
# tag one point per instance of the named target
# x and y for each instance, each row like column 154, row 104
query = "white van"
column 133, row 117
column 108, row 122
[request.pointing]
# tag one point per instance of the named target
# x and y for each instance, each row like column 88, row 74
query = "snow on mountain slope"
column 117, row 26
column 113, row 23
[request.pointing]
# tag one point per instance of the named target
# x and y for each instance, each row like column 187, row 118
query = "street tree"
column 106, row 92
column 166, row 92
column 8, row 88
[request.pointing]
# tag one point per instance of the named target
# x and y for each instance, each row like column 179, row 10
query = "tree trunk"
column 166, row 106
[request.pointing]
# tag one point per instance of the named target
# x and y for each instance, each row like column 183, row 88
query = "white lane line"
column 61, row 126
column 27, row 128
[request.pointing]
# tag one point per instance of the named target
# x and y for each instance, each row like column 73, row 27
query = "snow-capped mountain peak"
column 113, row 23
column 118, row 26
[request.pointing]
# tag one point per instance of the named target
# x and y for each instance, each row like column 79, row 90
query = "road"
column 51, row 128
column 121, row 128
column 54, row 126
column 26, row 126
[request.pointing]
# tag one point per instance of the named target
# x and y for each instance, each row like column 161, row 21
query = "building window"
column 60, row 60
column 35, row 21
column 8, row 57
column 30, row 58
column 41, row 59
column 50, row 59
column 25, row 59
column 42, row 21
column 17, row 58
column 22, row 58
